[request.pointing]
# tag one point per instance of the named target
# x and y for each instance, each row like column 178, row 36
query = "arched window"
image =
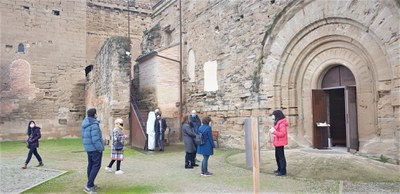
column 338, row 76
column 21, row 48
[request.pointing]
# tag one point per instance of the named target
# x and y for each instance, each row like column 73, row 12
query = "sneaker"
column 196, row 160
column 108, row 169
column 89, row 190
column 195, row 165
column 188, row 167
column 40, row 164
column 208, row 174
column 119, row 172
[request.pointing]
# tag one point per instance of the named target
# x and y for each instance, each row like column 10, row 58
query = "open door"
column 319, row 110
column 352, row 142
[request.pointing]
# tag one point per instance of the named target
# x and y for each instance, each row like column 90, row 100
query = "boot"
column 25, row 166
column 40, row 164
column 188, row 165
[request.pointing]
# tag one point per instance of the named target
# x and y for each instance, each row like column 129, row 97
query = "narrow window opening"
column 25, row 7
column 88, row 69
column 21, row 48
column 56, row 12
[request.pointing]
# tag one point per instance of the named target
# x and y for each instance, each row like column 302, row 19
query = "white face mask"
column 273, row 118
column 32, row 125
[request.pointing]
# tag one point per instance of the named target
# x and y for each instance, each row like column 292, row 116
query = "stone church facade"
column 318, row 61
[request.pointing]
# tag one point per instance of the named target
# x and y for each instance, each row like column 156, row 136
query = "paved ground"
column 15, row 180
column 309, row 171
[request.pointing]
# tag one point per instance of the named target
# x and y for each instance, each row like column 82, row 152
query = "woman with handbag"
column 117, row 148
column 33, row 143
column 207, row 147
column 279, row 133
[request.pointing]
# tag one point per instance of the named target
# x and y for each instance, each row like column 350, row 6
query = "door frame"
column 320, row 113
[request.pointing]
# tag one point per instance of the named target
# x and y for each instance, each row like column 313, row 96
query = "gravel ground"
column 16, row 180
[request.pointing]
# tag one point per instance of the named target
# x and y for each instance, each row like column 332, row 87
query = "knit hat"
column 91, row 112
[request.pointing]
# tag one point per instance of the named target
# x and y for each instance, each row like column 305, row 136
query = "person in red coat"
column 279, row 131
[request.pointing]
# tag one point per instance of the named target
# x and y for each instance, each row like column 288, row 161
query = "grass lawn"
column 309, row 171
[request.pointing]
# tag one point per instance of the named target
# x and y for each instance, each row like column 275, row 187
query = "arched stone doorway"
column 301, row 48
column 336, row 104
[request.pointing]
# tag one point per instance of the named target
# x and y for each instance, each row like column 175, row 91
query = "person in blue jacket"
column 207, row 149
column 93, row 142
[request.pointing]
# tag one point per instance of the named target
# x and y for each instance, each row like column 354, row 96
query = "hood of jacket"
column 89, row 121
column 282, row 122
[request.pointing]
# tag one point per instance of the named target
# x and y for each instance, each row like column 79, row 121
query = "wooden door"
column 352, row 142
column 319, row 111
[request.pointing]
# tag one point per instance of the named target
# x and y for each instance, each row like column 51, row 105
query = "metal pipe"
column 180, row 68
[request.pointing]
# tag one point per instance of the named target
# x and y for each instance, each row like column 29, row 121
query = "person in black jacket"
column 33, row 143
column 160, row 126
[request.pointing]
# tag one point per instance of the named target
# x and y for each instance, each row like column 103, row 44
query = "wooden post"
column 255, row 154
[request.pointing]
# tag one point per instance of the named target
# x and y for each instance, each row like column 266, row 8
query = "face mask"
column 32, row 125
column 273, row 118
column 193, row 115
column 98, row 119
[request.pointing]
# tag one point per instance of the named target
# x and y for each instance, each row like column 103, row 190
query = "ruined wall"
column 108, row 89
column 43, row 52
column 110, row 18
column 271, row 54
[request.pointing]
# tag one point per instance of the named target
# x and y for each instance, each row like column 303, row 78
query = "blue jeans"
column 94, row 164
column 33, row 150
column 204, row 164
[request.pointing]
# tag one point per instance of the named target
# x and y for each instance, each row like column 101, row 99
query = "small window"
column 56, row 12
column 21, row 48
column 25, row 7
column 88, row 69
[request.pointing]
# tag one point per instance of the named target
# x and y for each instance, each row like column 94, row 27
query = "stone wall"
column 110, row 18
column 108, row 89
column 43, row 53
column 271, row 54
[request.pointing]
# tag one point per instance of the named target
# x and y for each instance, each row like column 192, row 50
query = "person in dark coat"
column 33, row 143
column 92, row 141
column 194, row 120
column 160, row 126
column 207, row 149
column 188, row 139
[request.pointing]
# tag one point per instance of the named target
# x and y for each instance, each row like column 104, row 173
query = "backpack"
column 199, row 140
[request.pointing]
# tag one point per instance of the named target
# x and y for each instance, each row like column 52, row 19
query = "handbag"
column 118, row 145
column 199, row 139
column 270, row 138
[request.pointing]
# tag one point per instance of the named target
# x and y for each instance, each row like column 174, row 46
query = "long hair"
column 278, row 115
column 29, row 131
column 185, row 119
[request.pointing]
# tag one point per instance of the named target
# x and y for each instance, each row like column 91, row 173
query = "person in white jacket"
column 151, row 135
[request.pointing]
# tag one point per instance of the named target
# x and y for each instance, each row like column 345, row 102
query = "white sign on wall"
column 210, row 76
column 191, row 66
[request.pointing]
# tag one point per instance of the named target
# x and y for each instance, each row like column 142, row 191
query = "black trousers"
column 280, row 159
column 189, row 158
column 118, row 164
